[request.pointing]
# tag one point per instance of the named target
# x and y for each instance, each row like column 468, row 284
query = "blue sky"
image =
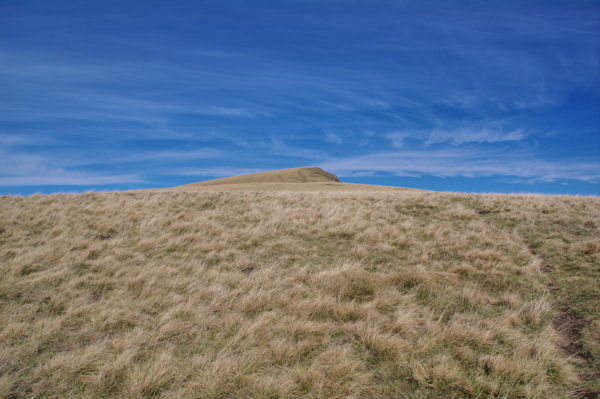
column 481, row 96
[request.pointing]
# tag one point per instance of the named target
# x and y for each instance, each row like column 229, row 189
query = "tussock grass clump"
column 214, row 294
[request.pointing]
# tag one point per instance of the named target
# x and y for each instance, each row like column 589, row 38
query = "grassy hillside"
column 327, row 186
column 295, row 175
column 205, row 293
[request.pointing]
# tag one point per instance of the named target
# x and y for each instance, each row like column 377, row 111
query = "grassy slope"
column 297, row 294
column 327, row 186
column 564, row 234
column 295, row 175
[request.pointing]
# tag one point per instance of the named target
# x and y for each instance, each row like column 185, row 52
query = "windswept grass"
column 364, row 294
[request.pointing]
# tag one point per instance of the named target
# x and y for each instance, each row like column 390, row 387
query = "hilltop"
column 294, row 175
column 295, row 179
column 326, row 292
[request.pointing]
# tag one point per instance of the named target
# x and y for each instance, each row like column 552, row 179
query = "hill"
column 295, row 175
column 203, row 293
column 296, row 179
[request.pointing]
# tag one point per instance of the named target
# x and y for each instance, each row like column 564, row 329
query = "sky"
column 469, row 96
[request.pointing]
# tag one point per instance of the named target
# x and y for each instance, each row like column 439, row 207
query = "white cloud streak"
column 333, row 138
column 64, row 178
column 34, row 170
column 454, row 163
column 474, row 135
column 398, row 138
column 203, row 153
column 216, row 172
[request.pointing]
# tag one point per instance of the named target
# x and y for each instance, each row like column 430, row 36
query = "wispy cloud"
column 216, row 172
column 474, row 135
column 488, row 132
column 36, row 170
column 195, row 154
column 65, row 178
column 452, row 163
column 398, row 138
column 10, row 140
column 332, row 137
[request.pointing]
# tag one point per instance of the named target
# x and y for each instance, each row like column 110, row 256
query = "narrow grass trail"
column 563, row 234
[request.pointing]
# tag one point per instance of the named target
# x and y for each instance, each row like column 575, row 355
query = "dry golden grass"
column 295, row 175
column 254, row 293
